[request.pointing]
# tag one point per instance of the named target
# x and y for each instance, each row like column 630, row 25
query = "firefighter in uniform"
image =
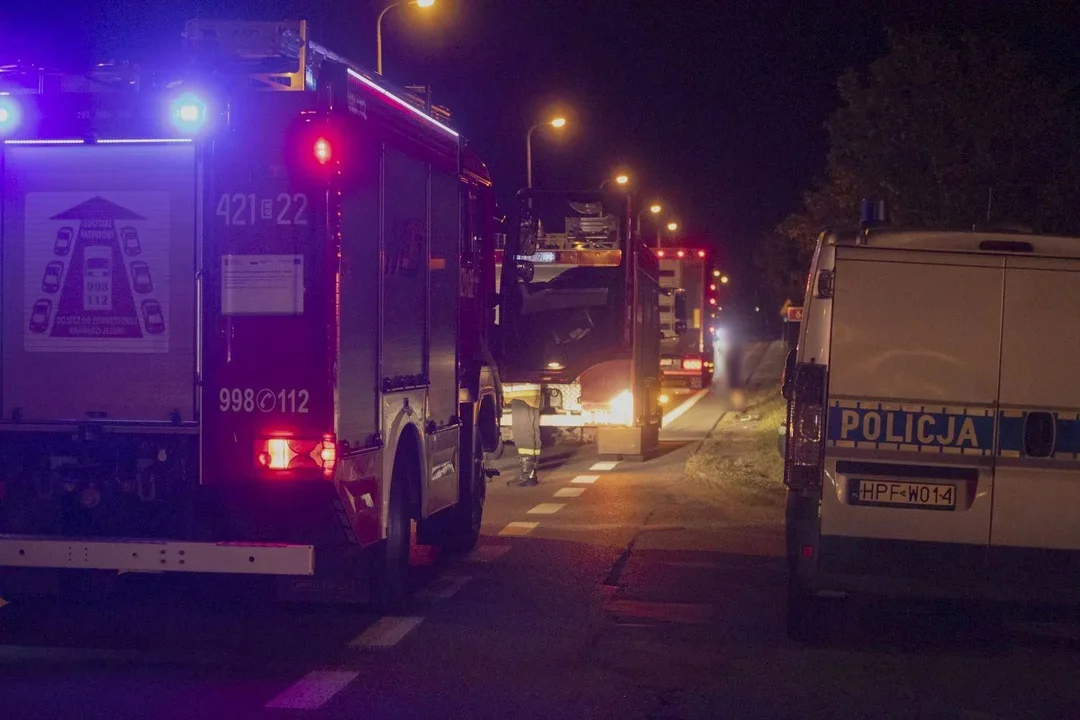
column 525, row 423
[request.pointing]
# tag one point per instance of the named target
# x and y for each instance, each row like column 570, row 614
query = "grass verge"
column 740, row 460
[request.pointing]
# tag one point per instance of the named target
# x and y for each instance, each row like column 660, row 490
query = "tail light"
column 804, row 462
column 284, row 454
column 691, row 363
column 323, row 151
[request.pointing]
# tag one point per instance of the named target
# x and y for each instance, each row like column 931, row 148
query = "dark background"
column 716, row 107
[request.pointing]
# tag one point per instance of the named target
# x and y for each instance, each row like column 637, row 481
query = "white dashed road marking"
column 313, row 690
column 569, row 492
column 547, row 509
column 447, row 586
column 605, row 465
column 585, row 479
column 386, row 632
column 518, row 529
column 488, row 553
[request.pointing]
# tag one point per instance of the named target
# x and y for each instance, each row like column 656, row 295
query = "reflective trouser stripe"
column 528, row 451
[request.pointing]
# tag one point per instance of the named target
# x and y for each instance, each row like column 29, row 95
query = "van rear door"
column 1036, row 518
column 913, row 382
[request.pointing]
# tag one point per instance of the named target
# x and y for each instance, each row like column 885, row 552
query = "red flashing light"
column 323, row 151
column 659, row 253
column 286, row 453
column 681, row 254
column 701, row 253
column 712, row 287
column 712, row 301
column 691, row 363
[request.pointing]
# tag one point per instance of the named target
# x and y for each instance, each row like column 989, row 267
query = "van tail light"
column 283, row 454
column 804, row 462
column 691, row 363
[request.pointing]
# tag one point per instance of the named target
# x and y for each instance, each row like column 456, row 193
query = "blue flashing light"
column 188, row 113
column 10, row 114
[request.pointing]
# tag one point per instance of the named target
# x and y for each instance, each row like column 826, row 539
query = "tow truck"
column 687, row 359
column 308, row 373
column 579, row 320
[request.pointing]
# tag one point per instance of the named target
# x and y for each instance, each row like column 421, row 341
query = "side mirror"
column 680, row 327
column 789, row 375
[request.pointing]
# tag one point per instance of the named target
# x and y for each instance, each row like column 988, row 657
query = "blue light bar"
column 68, row 141
column 398, row 101
column 144, row 141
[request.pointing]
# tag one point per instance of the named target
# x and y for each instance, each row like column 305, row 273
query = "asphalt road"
column 608, row 591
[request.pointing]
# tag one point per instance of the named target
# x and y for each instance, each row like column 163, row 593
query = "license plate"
column 891, row 493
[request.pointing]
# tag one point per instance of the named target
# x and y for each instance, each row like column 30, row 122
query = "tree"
column 951, row 135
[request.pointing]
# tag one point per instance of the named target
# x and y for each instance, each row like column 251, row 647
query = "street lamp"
column 672, row 226
column 558, row 122
column 723, row 279
column 655, row 209
column 622, row 180
column 378, row 28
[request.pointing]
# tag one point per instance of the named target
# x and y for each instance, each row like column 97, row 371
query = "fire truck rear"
column 245, row 313
column 686, row 350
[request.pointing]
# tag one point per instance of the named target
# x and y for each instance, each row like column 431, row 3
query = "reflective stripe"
column 528, row 451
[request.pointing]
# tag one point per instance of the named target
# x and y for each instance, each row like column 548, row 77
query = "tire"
column 392, row 574
column 499, row 451
column 460, row 529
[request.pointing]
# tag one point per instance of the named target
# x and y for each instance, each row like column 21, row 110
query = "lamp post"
column 622, row 180
column 558, row 122
column 671, row 226
column 378, row 28
column 654, row 208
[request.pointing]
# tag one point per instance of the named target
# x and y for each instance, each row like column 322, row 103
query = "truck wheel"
column 458, row 530
column 392, row 574
column 807, row 616
column 500, row 449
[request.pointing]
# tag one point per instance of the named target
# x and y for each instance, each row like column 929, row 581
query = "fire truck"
column 579, row 320
column 245, row 322
column 686, row 350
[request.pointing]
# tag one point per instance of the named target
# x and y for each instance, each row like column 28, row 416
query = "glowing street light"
column 621, row 179
column 673, row 226
column 378, row 28
column 723, row 279
column 557, row 123
column 654, row 208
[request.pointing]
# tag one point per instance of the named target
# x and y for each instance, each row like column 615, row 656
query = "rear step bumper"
column 157, row 556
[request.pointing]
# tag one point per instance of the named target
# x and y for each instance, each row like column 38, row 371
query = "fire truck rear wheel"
column 497, row 453
column 392, row 575
column 457, row 529
column 462, row 530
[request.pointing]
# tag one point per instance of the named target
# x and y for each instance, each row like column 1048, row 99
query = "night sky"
column 715, row 106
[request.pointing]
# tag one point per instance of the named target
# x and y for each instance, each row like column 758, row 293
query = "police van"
column 933, row 430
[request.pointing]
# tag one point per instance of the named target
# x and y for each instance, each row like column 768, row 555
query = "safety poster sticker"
column 97, row 272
